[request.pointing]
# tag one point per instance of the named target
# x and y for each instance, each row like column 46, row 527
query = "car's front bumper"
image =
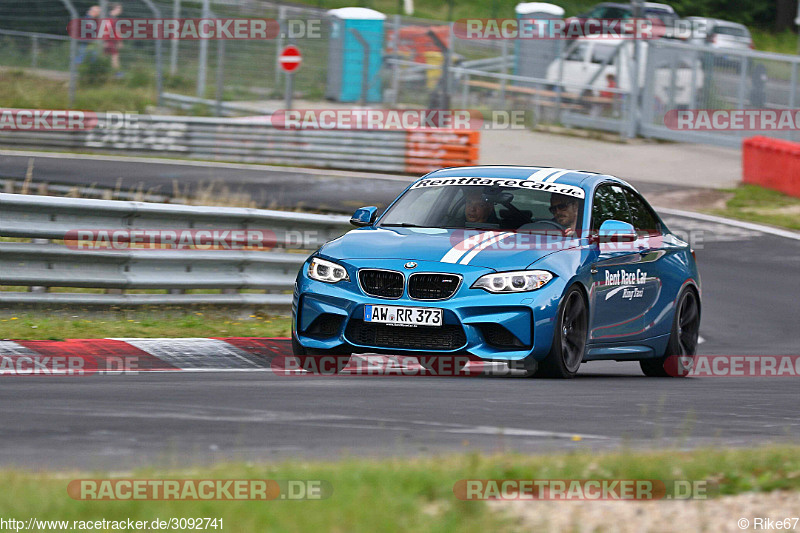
column 484, row 325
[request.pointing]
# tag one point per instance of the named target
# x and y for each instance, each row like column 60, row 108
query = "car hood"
column 498, row 250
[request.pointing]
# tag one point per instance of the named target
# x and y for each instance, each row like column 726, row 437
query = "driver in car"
column 565, row 212
column 478, row 209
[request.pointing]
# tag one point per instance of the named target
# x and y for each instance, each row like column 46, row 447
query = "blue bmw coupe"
column 541, row 268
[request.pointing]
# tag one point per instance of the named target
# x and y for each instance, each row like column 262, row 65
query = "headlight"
column 521, row 281
column 327, row 271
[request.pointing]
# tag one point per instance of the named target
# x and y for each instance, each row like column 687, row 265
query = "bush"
column 140, row 77
column 95, row 70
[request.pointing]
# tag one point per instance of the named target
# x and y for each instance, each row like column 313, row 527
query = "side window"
column 644, row 220
column 578, row 53
column 602, row 52
column 609, row 204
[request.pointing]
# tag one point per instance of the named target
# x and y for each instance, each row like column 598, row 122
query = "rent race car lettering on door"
column 628, row 279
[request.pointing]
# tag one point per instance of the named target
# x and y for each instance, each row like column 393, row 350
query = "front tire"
column 569, row 339
column 682, row 344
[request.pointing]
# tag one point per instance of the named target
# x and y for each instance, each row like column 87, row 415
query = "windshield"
column 492, row 203
column 731, row 30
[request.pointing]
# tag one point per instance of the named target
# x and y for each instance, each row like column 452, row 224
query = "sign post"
column 290, row 60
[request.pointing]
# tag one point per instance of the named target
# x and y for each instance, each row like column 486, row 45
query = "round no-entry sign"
column 290, row 58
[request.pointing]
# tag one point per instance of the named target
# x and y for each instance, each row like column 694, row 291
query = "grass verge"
column 765, row 206
column 23, row 90
column 141, row 324
column 399, row 494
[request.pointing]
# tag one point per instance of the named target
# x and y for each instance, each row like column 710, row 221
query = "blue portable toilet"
column 533, row 56
column 346, row 55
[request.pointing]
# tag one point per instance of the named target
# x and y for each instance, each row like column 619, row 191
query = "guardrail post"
column 742, row 81
column 560, row 85
column 34, row 50
column 503, row 81
column 202, row 59
column 173, row 56
column 220, row 74
column 73, row 54
column 159, row 64
column 279, row 47
column 40, row 288
column 395, row 65
column 633, row 107
column 444, row 82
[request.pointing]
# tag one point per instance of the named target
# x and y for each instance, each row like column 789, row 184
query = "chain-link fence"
column 745, row 83
column 619, row 85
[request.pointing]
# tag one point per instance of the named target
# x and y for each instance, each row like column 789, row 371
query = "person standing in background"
column 92, row 13
column 111, row 46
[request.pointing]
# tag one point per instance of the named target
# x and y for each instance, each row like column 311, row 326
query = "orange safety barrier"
column 415, row 41
column 772, row 163
column 430, row 150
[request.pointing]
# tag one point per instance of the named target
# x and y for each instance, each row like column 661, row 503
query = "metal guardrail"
column 40, row 264
column 255, row 140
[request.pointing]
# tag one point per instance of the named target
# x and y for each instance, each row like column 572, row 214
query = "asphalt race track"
column 273, row 187
column 268, row 187
column 750, row 306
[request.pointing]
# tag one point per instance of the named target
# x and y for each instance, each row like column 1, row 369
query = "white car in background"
column 720, row 33
column 585, row 57
column 726, row 39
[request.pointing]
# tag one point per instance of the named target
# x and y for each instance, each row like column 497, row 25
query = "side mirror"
column 364, row 216
column 616, row 231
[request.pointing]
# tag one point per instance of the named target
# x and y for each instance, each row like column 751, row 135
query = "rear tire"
column 569, row 338
column 682, row 344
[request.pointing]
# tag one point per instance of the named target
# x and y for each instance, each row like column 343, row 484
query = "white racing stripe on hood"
column 456, row 252
column 476, row 250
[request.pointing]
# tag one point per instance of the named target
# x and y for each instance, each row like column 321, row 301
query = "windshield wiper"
column 402, row 225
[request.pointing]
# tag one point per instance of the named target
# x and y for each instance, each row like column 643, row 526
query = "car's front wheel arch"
column 570, row 335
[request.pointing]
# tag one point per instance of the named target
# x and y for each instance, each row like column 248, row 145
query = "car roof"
column 647, row 5
column 582, row 178
column 717, row 22
column 609, row 41
column 656, row 5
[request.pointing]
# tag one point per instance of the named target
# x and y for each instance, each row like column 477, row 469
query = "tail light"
column 752, row 46
column 694, row 255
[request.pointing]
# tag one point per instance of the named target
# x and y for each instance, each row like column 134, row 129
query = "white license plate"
column 403, row 316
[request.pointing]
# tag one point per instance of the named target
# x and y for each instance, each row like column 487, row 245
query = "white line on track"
column 788, row 234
